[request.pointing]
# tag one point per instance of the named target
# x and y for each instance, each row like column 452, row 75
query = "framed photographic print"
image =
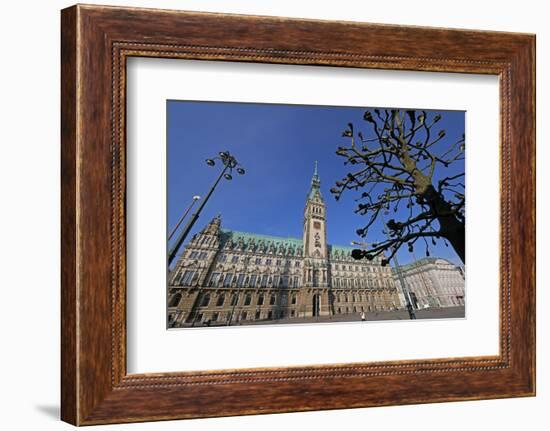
column 286, row 208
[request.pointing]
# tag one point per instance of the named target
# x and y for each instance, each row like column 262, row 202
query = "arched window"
column 175, row 300
column 220, row 300
column 234, row 300
column 247, row 299
column 261, row 300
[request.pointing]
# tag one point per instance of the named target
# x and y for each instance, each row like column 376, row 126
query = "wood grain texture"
column 69, row 397
column 96, row 41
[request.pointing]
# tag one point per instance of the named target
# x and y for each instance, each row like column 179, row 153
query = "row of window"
column 234, row 299
column 197, row 255
column 368, row 308
column 253, row 280
column 360, row 297
column 421, row 289
column 218, row 279
column 436, row 301
column 188, row 278
column 356, row 268
column 363, row 283
column 257, row 260
column 233, row 317
column 194, row 254
column 205, row 299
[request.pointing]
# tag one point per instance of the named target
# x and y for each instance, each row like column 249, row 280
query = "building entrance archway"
column 316, row 305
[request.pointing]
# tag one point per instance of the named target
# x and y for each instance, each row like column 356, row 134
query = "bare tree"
column 400, row 168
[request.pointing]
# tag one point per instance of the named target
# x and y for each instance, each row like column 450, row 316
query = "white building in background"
column 433, row 282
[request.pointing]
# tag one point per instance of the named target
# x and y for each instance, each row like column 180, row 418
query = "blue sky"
column 277, row 145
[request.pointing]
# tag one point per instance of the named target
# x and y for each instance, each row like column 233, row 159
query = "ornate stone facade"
column 225, row 277
column 433, row 282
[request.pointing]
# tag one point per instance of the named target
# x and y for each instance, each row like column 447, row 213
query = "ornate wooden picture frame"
column 96, row 41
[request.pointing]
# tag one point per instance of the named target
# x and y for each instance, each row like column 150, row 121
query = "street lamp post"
column 229, row 163
column 404, row 288
column 195, row 199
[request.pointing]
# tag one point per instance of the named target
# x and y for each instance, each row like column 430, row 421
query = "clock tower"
column 315, row 236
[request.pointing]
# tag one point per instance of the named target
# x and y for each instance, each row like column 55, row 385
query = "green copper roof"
column 294, row 244
column 339, row 249
column 260, row 243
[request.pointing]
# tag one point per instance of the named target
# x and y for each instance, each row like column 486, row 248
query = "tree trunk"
column 450, row 226
column 458, row 240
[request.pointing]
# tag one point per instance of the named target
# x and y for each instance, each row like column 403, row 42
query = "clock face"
column 317, row 225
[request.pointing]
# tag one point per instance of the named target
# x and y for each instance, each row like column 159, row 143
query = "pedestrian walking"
column 363, row 316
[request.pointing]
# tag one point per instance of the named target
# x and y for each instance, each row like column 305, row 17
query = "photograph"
column 306, row 214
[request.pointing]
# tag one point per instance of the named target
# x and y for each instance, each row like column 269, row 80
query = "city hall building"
column 225, row 277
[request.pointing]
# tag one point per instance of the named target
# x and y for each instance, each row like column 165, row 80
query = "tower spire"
column 315, row 180
column 315, row 189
